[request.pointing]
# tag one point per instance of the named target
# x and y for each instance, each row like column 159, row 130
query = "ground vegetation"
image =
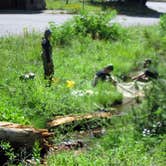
column 137, row 137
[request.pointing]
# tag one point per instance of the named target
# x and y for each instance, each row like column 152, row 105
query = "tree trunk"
column 61, row 120
column 18, row 135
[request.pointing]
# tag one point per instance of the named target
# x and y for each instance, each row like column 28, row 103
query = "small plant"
column 36, row 152
column 163, row 23
column 8, row 151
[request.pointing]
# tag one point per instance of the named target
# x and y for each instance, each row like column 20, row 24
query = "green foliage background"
column 77, row 58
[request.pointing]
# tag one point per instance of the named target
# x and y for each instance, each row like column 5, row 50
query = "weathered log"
column 60, row 120
column 19, row 135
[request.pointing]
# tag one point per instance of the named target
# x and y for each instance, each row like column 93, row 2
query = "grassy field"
column 20, row 101
column 73, row 6
column 76, row 59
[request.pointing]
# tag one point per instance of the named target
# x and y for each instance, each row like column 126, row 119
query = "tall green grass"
column 31, row 102
column 77, row 61
column 122, row 145
column 126, row 142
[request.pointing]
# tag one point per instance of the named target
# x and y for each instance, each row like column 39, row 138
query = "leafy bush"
column 62, row 34
column 150, row 118
column 97, row 26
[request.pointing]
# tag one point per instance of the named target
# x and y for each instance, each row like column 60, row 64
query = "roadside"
column 17, row 23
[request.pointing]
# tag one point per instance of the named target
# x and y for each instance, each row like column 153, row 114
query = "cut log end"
column 19, row 135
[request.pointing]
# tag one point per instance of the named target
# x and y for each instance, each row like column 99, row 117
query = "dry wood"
column 19, row 135
column 60, row 120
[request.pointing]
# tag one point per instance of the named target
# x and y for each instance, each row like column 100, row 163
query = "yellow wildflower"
column 70, row 84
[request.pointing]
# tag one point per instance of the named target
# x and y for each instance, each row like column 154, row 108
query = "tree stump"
column 24, row 136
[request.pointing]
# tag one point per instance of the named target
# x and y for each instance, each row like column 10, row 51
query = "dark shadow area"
column 21, row 11
column 22, row 6
column 133, row 9
column 20, row 154
column 3, row 157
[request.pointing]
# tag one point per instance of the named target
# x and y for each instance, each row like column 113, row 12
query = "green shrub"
column 97, row 26
column 62, row 34
column 150, row 118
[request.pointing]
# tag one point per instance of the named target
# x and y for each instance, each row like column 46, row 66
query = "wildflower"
column 26, row 76
column 146, row 132
column 89, row 92
column 70, row 84
column 82, row 92
column 77, row 93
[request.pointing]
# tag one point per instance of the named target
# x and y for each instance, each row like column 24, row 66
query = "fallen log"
column 61, row 120
column 130, row 91
column 24, row 136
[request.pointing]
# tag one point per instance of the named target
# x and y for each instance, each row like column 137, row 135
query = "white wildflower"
column 26, row 76
column 77, row 93
column 146, row 132
column 89, row 92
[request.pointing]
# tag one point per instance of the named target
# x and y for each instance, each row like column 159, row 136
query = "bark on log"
column 19, row 135
column 60, row 120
